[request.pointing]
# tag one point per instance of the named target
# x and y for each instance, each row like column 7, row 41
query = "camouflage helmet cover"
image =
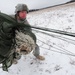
column 21, row 7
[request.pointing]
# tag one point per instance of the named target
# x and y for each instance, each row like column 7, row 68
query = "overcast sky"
column 8, row 6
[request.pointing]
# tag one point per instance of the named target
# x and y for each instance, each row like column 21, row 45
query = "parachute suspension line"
column 57, row 46
column 54, row 31
column 60, row 50
column 58, row 37
column 66, row 51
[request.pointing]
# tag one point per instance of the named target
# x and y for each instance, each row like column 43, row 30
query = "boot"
column 40, row 57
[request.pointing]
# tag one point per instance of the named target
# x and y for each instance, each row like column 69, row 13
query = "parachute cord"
column 62, row 49
column 58, row 37
column 58, row 51
column 54, row 31
column 56, row 45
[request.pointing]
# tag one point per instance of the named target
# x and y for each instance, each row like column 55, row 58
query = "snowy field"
column 55, row 63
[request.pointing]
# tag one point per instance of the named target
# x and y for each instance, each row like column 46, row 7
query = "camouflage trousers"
column 25, row 44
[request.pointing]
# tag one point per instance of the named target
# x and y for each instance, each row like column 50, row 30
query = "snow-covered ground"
column 54, row 63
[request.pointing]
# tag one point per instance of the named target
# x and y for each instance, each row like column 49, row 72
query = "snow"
column 54, row 63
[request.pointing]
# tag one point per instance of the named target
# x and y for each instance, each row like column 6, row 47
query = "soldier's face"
column 22, row 14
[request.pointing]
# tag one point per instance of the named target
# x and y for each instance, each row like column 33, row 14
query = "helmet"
column 21, row 7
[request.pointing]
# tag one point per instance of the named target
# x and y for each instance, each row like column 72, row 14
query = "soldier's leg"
column 36, row 53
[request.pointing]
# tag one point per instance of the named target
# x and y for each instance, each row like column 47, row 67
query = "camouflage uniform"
column 27, row 39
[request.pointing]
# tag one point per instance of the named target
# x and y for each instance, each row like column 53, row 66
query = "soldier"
column 10, row 34
column 21, row 12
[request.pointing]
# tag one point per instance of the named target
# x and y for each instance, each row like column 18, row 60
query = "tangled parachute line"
column 53, row 33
